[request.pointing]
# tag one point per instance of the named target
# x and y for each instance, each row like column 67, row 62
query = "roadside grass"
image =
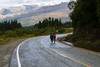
column 94, row 46
column 3, row 41
column 7, row 39
column 11, row 35
column 86, row 43
column 67, row 30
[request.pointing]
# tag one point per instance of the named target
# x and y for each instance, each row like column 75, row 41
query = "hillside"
column 86, row 23
column 32, row 16
column 5, row 11
column 18, row 9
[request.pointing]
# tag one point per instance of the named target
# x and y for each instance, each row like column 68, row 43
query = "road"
column 38, row 52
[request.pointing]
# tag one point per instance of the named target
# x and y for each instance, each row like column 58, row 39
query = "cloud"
column 24, row 2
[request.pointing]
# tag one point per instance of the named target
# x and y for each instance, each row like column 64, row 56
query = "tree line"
column 14, row 29
column 9, row 25
column 49, row 22
column 52, row 22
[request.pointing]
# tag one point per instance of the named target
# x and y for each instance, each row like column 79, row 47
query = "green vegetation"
column 98, row 9
column 15, row 34
column 67, row 24
column 50, row 25
column 9, row 25
column 50, row 22
column 12, row 29
column 86, row 23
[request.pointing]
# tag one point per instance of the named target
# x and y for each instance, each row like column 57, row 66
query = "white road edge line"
column 18, row 60
column 63, row 54
column 17, row 53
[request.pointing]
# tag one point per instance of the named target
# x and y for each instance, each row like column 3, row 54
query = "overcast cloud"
column 29, row 2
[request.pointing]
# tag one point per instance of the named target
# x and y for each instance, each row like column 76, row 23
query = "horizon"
column 14, row 3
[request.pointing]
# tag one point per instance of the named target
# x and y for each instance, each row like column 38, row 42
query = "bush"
column 27, row 31
column 96, row 45
column 10, row 33
column 1, row 33
column 61, row 30
column 19, row 32
column 67, row 30
column 68, row 35
column 79, row 43
column 35, row 31
column 88, row 43
column 50, row 30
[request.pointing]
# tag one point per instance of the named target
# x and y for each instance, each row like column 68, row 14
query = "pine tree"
column 9, row 25
column 84, row 15
column 40, row 25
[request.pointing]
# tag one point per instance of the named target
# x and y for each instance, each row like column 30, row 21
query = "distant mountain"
column 17, row 10
column 31, row 14
column 5, row 12
column 31, row 7
column 24, row 8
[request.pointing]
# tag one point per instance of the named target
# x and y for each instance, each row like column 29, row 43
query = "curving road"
column 38, row 52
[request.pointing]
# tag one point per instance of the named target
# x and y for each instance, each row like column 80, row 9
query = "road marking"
column 18, row 60
column 63, row 55
column 17, row 53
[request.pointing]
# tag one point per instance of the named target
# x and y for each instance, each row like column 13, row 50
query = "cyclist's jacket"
column 54, row 35
column 51, row 35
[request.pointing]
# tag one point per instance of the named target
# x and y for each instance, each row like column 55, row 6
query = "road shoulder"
column 6, row 51
column 90, row 51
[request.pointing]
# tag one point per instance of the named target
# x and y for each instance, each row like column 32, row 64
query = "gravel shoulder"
column 6, row 51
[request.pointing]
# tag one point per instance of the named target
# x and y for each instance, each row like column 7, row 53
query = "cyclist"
column 51, row 37
column 54, row 37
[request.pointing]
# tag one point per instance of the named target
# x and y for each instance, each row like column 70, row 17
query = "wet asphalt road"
column 39, row 52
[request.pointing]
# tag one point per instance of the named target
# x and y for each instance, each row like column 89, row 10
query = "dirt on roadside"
column 6, row 51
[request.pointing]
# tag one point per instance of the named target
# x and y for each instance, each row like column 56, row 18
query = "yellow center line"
column 68, row 57
column 64, row 55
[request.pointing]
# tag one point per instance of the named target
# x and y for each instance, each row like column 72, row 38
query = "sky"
column 30, row 2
